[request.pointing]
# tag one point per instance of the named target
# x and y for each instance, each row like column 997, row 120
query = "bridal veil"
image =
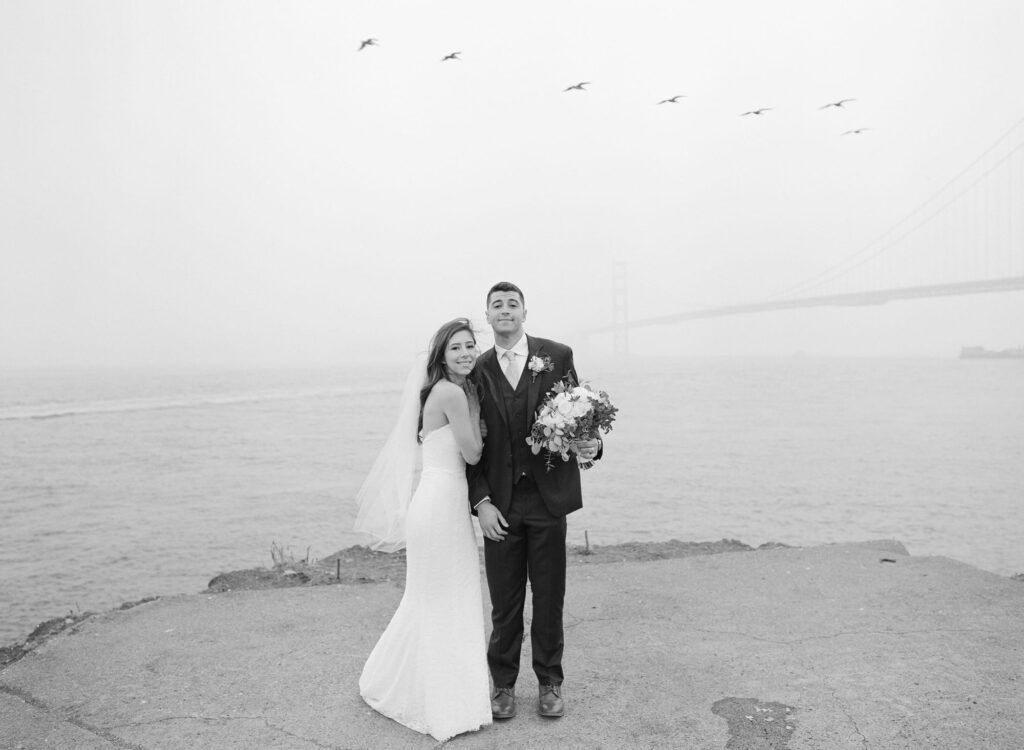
column 384, row 497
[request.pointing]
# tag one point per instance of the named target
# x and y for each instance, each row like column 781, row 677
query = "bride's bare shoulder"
column 445, row 390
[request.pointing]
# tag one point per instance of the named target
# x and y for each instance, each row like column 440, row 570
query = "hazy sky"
column 233, row 182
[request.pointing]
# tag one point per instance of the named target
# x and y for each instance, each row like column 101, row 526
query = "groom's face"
column 505, row 313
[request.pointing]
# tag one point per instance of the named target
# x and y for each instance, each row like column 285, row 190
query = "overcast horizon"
column 240, row 184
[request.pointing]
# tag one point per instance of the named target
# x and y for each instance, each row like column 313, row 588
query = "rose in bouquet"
column 569, row 413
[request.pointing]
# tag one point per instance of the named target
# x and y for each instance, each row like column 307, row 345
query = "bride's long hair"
column 436, row 369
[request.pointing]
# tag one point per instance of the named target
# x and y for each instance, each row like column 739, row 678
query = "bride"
column 428, row 671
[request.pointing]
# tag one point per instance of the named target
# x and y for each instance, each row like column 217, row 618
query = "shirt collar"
column 521, row 348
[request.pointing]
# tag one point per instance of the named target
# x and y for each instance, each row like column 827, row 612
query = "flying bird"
column 674, row 100
column 837, row 104
column 858, row 131
column 578, row 87
column 367, row 43
column 756, row 111
column 452, row 56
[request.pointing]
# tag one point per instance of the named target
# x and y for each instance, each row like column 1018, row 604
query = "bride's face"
column 460, row 354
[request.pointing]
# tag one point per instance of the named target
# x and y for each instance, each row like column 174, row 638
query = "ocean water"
column 118, row 484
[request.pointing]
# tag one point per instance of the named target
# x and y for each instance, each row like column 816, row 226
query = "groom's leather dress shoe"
column 503, row 703
column 551, row 703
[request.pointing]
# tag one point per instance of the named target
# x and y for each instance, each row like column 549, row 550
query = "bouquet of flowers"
column 569, row 413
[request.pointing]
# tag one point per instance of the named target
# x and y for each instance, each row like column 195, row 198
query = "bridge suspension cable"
column 978, row 249
column 889, row 240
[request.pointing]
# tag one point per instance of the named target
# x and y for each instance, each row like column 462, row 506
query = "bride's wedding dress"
column 428, row 671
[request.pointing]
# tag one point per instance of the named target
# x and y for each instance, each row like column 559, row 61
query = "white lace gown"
column 428, row 671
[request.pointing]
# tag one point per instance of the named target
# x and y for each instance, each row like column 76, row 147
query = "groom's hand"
column 586, row 449
column 491, row 521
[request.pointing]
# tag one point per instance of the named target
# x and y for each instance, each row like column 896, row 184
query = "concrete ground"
column 823, row 648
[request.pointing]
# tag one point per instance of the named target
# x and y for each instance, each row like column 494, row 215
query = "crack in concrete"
column 107, row 734
column 840, row 634
column 583, row 620
column 223, row 719
column 838, row 702
column 23, row 695
column 304, row 739
column 848, row 715
column 72, row 720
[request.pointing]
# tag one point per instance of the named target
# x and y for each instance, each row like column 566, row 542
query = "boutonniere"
column 538, row 364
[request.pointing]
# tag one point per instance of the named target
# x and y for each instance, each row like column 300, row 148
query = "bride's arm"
column 465, row 421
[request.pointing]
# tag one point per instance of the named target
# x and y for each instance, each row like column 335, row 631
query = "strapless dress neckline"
column 436, row 430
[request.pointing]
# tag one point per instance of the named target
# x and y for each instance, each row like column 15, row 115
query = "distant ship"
column 980, row 352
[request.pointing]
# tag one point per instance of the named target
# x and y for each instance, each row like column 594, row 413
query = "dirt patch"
column 356, row 565
column 755, row 724
column 353, row 565
column 646, row 551
column 50, row 628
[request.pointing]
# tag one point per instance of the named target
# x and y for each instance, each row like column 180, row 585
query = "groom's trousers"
column 534, row 549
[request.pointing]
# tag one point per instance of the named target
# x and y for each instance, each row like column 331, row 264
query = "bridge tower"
column 620, row 316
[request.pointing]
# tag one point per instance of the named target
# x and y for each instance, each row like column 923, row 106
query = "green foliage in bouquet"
column 570, row 412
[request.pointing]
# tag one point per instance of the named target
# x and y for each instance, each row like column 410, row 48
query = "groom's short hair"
column 505, row 286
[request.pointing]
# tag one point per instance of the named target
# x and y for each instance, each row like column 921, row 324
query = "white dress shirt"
column 521, row 350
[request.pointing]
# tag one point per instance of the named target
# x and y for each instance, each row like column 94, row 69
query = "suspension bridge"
column 966, row 238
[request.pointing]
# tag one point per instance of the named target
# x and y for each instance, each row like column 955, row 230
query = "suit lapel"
column 492, row 372
column 534, row 393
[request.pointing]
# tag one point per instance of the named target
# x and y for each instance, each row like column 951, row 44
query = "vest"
column 518, row 419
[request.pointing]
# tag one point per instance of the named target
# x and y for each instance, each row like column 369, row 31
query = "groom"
column 521, row 506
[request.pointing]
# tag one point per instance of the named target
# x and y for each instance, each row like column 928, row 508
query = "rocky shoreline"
column 362, row 565
column 356, row 565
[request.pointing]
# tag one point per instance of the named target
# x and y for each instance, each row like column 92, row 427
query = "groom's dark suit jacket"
column 494, row 476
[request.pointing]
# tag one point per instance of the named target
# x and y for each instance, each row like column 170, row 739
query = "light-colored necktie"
column 510, row 367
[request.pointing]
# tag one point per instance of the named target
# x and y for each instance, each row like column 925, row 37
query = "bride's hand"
column 474, row 403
